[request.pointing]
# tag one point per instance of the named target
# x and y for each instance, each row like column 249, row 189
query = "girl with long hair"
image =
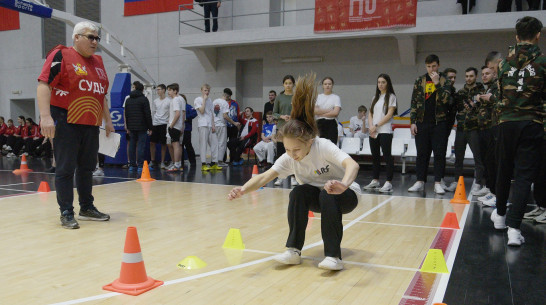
column 326, row 176
column 327, row 109
column 380, row 117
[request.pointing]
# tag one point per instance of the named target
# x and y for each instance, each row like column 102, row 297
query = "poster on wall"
column 144, row 7
column 9, row 20
column 360, row 15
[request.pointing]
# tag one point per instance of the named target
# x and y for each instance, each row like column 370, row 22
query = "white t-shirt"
column 160, row 111
column 356, row 124
column 177, row 104
column 220, row 107
column 204, row 119
column 323, row 163
column 328, row 102
column 379, row 113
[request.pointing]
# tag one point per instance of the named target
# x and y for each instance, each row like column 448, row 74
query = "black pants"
column 186, row 145
column 137, row 147
column 31, row 145
column 280, row 150
column 430, row 138
column 518, row 148
column 44, row 149
column 236, row 148
column 327, row 129
column 506, row 5
column 232, row 133
column 383, row 142
column 539, row 190
column 487, row 153
column 101, row 158
column 461, row 140
column 306, row 197
column 473, row 137
column 76, row 148
column 211, row 8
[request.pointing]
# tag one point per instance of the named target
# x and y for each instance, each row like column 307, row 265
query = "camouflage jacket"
column 467, row 117
column 522, row 85
column 487, row 111
column 443, row 98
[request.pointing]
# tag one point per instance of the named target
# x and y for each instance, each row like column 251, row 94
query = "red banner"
column 9, row 19
column 143, row 7
column 358, row 15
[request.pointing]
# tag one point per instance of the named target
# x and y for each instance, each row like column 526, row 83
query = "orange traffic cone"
column 44, row 187
column 450, row 221
column 145, row 177
column 24, row 167
column 255, row 171
column 311, row 214
column 460, row 193
column 132, row 279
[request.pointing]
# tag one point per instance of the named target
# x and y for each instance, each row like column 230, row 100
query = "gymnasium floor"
column 385, row 242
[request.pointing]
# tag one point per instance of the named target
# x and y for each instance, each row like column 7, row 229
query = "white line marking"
column 6, row 189
column 16, row 184
column 398, row 224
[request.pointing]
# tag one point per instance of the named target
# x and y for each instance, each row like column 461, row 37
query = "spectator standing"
column 327, row 109
column 138, row 122
column 160, row 119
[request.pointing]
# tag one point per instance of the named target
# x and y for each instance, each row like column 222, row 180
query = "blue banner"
column 27, row 8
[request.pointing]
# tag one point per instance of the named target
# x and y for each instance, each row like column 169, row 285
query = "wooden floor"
column 386, row 238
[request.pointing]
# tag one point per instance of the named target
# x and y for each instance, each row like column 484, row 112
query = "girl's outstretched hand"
column 236, row 192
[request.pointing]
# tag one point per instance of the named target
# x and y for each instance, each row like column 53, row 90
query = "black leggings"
column 327, row 129
column 306, row 197
column 383, row 142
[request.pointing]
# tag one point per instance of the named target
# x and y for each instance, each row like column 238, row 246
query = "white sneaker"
column 452, row 187
column 534, row 213
column 291, row 256
column 491, row 202
column 278, row 182
column 9, row 148
column 486, row 197
column 514, row 237
column 10, row 155
column 542, row 217
column 484, row 191
column 98, row 172
column 222, row 164
column 438, row 189
column 171, row 167
column 5, row 146
column 331, row 263
column 373, row 185
column 419, row 186
column 293, row 181
column 387, row 188
column 443, row 184
column 163, row 166
column 475, row 188
column 498, row 221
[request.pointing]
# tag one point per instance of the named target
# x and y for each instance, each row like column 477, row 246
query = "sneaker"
column 438, row 189
column 387, row 188
column 278, row 182
column 125, row 166
column 491, row 202
column 373, row 185
column 514, row 237
column 4, row 146
column 10, row 155
column 293, row 181
column 291, row 256
column 68, row 221
column 51, row 169
column 443, row 184
column 216, row 167
column 484, row 191
column 542, row 217
column 24, row 154
column 534, row 213
column 486, row 197
column 151, row 166
column 331, row 263
column 93, row 214
column 417, row 187
column 173, row 169
column 163, row 165
column 476, row 187
column 498, row 221
column 205, row 167
column 452, row 187
column 98, row 172
column 187, row 163
column 9, row 148
column 222, row 164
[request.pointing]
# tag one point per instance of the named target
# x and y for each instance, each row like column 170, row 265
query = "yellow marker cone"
column 191, row 262
column 234, row 240
column 434, row 262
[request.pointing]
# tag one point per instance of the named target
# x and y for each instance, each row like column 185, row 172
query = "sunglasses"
column 91, row 37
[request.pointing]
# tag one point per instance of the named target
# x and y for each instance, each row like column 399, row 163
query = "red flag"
column 143, row 7
column 9, row 19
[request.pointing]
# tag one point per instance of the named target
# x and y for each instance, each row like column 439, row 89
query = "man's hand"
column 109, row 128
column 219, row 4
column 485, row 97
column 47, row 126
column 149, row 132
column 413, row 129
column 435, row 77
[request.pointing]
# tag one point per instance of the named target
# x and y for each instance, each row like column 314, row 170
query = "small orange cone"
column 255, row 171
column 460, row 193
column 24, row 167
column 132, row 279
column 311, row 214
column 145, row 177
column 450, row 221
column 44, row 187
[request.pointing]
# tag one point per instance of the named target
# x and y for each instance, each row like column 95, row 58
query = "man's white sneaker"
column 482, row 192
column 491, row 202
column 293, row 181
column 163, row 166
column 417, row 187
column 278, row 182
column 443, row 184
column 475, row 188
column 291, row 256
column 331, row 263
column 98, row 172
column 373, row 185
column 452, row 187
column 10, row 155
column 486, row 197
column 498, row 221
column 514, row 237
column 438, row 189
column 387, row 188
column 534, row 213
column 541, row 218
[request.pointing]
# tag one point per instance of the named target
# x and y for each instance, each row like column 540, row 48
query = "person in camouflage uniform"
column 431, row 95
column 467, row 126
column 451, row 74
column 522, row 85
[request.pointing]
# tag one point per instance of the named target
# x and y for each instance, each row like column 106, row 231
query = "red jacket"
column 253, row 130
column 35, row 132
column 10, row 131
column 25, row 132
column 3, row 129
column 19, row 129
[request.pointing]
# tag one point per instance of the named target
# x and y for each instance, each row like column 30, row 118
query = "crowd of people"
column 25, row 139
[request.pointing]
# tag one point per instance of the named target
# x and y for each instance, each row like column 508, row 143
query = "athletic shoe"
column 484, row 191
column 151, row 166
column 51, row 170
column 475, row 188
column 93, row 214
column 541, row 218
column 187, row 162
column 205, row 167
column 173, row 169
column 278, row 182
column 124, row 166
column 293, row 181
column 98, row 172
column 24, row 154
column 373, row 185
column 9, row 148
column 216, row 167
column 163, row 166
column 534, row 213
column 331, row 263
column 498, row 221
column 387, row 188
column 419, row 186
column 452, row 187
column 491, row 202
column 443, row 184
column 68, row 221
column 438, row 189
column 486, row 197
column 222, row 164
column 10, row 155
column 291, row 256
column 514, row 237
